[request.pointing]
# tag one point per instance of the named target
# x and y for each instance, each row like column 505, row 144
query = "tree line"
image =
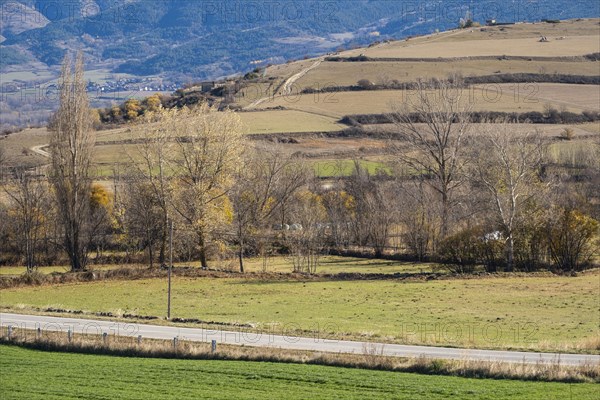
column 465, row 195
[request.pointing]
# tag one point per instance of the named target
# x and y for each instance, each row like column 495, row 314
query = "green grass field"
column 535, row 312
column 336, row 168
column 328, row 265
column 31, row 374
column 17, row 270
column 336, row 265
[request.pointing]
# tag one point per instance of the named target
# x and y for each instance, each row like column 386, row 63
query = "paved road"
column 89, row 326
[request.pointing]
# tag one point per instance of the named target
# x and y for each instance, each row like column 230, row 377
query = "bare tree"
column 208, row 155
column 265, row 182
column 373, row 215
column 431, row 126
column 306, row 240
column 3, row 163
column 419, row 218
column 29, row 198
column 3, row 157
column 71, row 147
column 154, row 149
column 144, row 217
column 506, row 164
column 341, row 212
column 4, row 231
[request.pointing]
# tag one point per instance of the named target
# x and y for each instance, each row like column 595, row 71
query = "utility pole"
column 169, row 274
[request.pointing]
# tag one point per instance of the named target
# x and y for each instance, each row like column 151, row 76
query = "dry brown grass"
column 528, row 47
column 497, row 97
column 573, row 97
column 17, row 146
column 286, row 121
column 289, row 69
column 521, row 39
column 587, row 345
column 371, row 357
column 569, row 38
column 349, row 73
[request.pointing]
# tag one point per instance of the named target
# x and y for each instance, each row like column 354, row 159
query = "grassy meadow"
column 281, row 264
column 336, row 168
column 33, row 374
column 543, row 312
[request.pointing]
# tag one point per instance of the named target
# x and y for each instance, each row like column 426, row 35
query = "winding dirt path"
column 287, row 86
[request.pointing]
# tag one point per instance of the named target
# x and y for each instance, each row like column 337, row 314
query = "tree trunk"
column 76, row 261
column 511, row 253
column 444, row 227
column 29, row 255
column 163, row 244
column 151, row 254
column 241, row 250
column 203, row 260
column 378, row 251
column 241, row 257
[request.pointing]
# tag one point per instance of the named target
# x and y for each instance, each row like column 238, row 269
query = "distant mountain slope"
column 205, row 39
column 19, row 17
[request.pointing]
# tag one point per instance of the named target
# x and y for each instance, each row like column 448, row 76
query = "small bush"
column 365, row 83
column 567, row 134
column 465, row 250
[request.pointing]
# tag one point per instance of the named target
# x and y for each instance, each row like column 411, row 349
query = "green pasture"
column 544, row 312
column 31, row 374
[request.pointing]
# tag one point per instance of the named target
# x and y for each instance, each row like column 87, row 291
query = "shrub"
column 567, row 134
column 460, row 251
column 570, row 236
column 530, row 246
column 463, row 251
column 553, row 116
column 365, row 83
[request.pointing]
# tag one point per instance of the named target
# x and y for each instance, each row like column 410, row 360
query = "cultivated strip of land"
column 30, row 374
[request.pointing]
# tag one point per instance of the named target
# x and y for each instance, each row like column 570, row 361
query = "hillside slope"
column 206, row 39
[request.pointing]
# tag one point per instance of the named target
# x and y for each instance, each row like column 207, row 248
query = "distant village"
column 132, row 84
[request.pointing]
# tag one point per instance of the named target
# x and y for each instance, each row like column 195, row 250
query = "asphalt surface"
column 89, row 326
